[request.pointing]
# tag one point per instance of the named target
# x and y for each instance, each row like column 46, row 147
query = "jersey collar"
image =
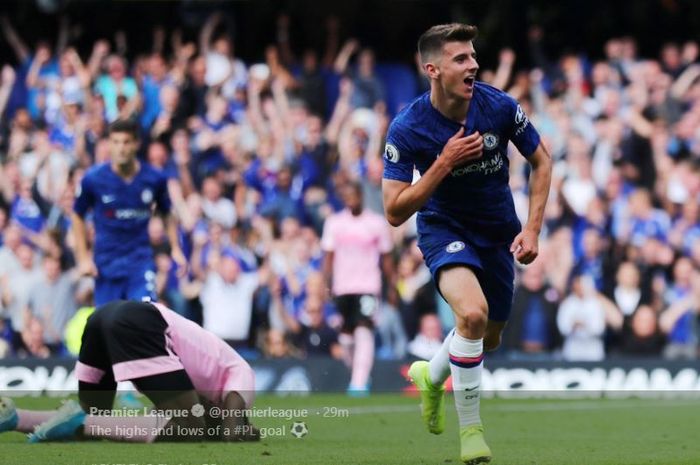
column 469, row 120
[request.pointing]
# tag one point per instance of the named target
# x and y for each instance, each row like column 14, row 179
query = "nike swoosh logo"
column 474, row 390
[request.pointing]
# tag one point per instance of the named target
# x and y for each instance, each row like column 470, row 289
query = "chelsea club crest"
column 454, row 247
column 490, row 141
column 146, row 196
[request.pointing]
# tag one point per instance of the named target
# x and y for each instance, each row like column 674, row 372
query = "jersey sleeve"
column 398, row 157
column 85, row 198
column 520, row 130
column 162, row 198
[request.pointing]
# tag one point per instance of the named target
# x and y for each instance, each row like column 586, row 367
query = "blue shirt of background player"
column 121, row 212
column 476, row 195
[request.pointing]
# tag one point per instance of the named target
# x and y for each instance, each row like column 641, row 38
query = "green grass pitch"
column 385, row 429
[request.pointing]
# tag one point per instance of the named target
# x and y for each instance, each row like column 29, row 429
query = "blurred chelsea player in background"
column 121, row 195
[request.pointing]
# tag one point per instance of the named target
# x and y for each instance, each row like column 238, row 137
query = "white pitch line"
column 537, row 407
column 589, row 405
column 383, row 409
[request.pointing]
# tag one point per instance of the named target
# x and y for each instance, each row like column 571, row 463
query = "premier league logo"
column 391, row 153
column 521, row 121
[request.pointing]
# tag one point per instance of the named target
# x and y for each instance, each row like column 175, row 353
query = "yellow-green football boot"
column 474, row 450
column 432, row 397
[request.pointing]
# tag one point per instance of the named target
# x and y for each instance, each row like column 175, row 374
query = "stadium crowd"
column 257, row 154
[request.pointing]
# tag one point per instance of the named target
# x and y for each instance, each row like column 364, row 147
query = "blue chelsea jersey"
column 121, row 211
column 475, row 196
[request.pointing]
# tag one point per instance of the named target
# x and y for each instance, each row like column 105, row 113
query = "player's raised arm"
column 401, row 199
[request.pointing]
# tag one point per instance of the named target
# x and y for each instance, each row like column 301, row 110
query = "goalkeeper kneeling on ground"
column 199, row 385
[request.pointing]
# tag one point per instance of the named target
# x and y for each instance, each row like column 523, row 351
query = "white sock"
column 466, row 363
column 439, row 365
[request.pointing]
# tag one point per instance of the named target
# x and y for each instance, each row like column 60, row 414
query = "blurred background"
column 260, row 112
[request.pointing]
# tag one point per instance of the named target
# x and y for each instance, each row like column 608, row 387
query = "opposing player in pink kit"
column 357, row 249
column 183, row 369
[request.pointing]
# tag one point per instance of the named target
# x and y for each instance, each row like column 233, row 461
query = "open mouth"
column 469, row 80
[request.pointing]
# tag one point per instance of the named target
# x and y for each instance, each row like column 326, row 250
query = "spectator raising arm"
column 207, row 32
column 99, row 52
column 257, row 121
column 332, row 41
column 7, row 80
column 18, row 45
column 121, row 46
column 343, row 58
column 183, row 52
column 340, row 112
column 613, row 316
column 63, row 34
column 277, row 306
column 283, row 40
column 505, row 69
column 81, row 71
column 685, row 81
column 675, row 312
column 158, row 39
column 42, row 57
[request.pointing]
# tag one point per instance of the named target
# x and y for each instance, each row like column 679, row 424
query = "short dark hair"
column 432, row 40
column 125, row 125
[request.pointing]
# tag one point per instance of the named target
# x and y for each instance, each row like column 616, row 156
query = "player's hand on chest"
column 461, row 148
